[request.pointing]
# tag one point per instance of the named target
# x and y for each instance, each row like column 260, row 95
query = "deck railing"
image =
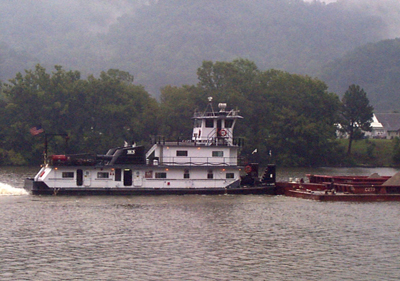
column 196, row 161
column 217, row 141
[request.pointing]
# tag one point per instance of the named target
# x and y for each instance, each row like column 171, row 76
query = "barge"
column 372, row 188
column 207, row 163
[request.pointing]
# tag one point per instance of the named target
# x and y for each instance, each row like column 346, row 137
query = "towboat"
column 207, row 163
column 372, row 188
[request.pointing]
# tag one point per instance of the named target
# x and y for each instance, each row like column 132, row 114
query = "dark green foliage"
column 96, row 113
column 396, row 151
column 355, row 114
column 289, row 118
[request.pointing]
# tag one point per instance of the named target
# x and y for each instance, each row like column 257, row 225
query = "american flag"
column 36, row 130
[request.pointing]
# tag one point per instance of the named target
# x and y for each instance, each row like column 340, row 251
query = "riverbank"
column 370, row 153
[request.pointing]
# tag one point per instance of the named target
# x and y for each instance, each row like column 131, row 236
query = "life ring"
column 248, row 169
column 222, row 133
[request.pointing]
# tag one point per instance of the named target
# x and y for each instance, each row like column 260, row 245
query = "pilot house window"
column 209, row 123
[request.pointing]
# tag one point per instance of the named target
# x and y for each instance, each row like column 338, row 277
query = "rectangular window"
column 197, row 123
column 181, row 153
column 67, row 175
column 209, row 123
column 102, row 175
column 210, row 174
column 161, row 175
column 230, row 175
column 217, row 154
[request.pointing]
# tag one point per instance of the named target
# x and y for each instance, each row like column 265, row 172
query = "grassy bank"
column 370, row 152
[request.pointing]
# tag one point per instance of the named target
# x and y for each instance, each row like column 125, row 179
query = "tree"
column 96, row 113
column 292, row 116
column 356, row 114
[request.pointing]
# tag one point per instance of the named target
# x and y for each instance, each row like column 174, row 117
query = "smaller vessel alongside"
column 372, row 188
column 206, row 163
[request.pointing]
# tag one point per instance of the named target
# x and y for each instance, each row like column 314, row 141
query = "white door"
column 137, row 179
column 86, row 178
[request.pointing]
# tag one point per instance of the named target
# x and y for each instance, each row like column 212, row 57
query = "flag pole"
column 46, row 143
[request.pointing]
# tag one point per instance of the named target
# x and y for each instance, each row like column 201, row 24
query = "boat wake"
column 6, row 189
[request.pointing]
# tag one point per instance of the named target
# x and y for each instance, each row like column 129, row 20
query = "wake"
column 6, row 189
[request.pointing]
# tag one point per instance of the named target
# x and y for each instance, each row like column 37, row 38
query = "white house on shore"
column 378, row 131
column 384, row 126
column 387, row 126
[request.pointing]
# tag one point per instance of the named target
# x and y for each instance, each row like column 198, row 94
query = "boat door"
column 127, row 177
column 86, row 178
column 79, row 177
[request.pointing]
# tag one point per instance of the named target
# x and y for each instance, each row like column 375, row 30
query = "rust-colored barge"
column 343, row 188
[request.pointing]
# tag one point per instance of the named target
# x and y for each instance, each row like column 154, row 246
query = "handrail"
column 199, row 161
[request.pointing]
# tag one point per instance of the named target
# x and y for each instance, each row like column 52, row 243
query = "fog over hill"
column 163, row 42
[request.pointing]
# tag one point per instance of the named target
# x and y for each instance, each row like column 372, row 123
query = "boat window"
column 197, row 123
column 68, row 175
column 217, row 154
column 210, row 174
column 181, row 153
column 102, row 175
column 209, row 123
column 230, row 175
column 228, row 123
column 162, row 175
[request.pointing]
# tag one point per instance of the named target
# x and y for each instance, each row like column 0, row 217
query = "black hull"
column 39, row 188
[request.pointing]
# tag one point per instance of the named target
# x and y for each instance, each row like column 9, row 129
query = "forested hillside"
column 163, row 42
column 374, row 66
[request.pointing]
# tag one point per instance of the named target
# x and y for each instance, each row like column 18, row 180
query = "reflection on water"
column 196, row 237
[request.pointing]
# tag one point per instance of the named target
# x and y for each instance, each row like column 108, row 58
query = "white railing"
column 199, row 161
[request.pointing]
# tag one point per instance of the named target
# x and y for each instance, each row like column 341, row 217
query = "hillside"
column 164, row 42
column 376, row 67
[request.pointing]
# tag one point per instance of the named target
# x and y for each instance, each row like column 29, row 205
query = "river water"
column 196, row 237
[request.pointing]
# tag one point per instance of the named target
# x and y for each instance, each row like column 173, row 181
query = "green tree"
column 301, row 126
column 396, row 151
column 356, row 114
column 292, row 116
column 96, row 113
